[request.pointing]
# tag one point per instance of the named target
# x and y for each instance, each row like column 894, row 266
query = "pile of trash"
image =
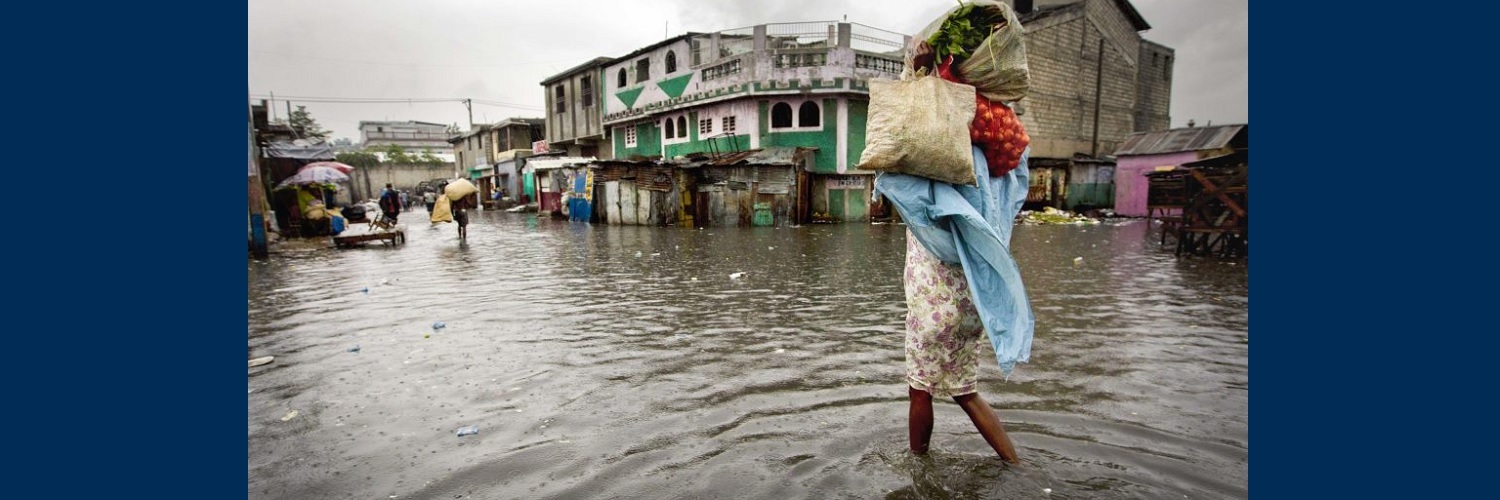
column 1051, row 215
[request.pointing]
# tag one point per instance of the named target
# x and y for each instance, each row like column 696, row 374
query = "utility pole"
column 257, row 199
column 469, row 103
column 1098, row 93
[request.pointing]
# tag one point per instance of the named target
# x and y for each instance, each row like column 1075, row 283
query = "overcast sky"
column 500, row 51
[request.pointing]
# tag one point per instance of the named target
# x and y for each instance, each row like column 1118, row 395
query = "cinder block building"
column 1094, row 81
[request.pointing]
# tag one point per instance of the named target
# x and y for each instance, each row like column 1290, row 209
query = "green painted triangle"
column 629, row 96
column 675, row 85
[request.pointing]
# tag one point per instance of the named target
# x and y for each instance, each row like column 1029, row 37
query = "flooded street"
column 625, row 362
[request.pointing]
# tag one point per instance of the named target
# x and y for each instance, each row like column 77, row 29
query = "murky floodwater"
column 624, row 362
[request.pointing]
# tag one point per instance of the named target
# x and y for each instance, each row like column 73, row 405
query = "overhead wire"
column 397, row 100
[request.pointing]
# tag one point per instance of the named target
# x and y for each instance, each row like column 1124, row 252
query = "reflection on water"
column 625, row 362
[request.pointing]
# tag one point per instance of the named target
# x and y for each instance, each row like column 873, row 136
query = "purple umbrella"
column 314, row 175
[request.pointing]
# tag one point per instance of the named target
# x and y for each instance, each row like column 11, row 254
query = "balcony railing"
column 800, row 59
column 876, row 40
column 878, row 63
column 802, row 35
column 722, row 70
column 408, row 136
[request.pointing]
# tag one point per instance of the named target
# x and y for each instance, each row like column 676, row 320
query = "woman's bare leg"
column 988, row 424
column 919, row 420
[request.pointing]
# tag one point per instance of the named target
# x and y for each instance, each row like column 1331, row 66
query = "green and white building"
column 785, row 85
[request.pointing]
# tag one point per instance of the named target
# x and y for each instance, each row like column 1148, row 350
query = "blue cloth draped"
column 971, row 226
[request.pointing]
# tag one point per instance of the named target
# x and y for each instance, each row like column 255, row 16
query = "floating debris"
column 736, row 276
column 1077, row 261
column 289, row 415
column 1051, row 215
column 468, row 430
column 439, row 326
column 262, row 361
column 1047, row 491
column 354, row 349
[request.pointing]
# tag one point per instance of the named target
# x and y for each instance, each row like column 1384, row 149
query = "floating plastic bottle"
column 469, row 430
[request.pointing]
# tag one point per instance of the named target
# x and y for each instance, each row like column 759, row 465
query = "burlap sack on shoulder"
column 920, row 127
column 442, row 210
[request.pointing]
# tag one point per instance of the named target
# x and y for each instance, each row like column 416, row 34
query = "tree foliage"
column 358, row 159
column 304, row 123
column 396, row 154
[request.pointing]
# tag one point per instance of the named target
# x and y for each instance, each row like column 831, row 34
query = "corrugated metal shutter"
column 741, row 174
column 776, row 179
column 655, row 178
column 610, row 173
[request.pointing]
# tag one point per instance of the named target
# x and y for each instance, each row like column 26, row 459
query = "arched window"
column 781, row 115
column 621, row 79
column 671, row 62
column 671, row 133
column 807, row 114
column 682, row 130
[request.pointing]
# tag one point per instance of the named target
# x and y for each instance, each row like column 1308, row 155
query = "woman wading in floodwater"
column 960, row 279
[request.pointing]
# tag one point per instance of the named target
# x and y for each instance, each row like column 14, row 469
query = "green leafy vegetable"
column 963, row 31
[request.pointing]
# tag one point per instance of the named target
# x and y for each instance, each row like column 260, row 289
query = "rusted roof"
column 1182, row 139
column 1234, row 159
column 763, row 156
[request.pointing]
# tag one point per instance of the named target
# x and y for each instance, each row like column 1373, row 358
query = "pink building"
column 1146, row 152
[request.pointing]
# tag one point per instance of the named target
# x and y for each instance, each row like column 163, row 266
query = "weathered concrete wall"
column 742, row 112
column 1154, row 88
column 1064, row 52
column 577, row 119
column 369, row 181
column 639, row 91
column 472, row 151
column 826, row 135
column 843, row 198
